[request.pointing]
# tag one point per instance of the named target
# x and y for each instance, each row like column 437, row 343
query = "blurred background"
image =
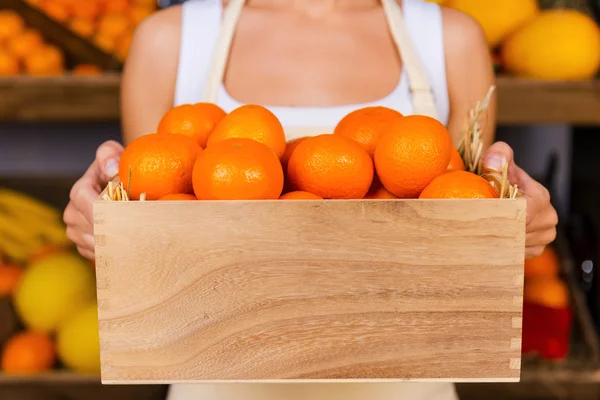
column 60, row 63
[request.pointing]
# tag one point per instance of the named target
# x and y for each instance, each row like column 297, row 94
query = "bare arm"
column 469, row 71
column 148, row 85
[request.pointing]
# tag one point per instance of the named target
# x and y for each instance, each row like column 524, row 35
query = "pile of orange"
column 543, row 284
column 23, row 49
column 108, row 23
column 201, row 152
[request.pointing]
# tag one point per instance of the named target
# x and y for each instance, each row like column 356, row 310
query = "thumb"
column 107, row 159
column 497, row 155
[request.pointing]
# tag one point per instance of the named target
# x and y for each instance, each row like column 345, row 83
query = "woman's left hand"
column 541, row 216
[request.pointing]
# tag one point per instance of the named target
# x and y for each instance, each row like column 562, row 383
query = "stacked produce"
column 547, row 312
column 51, row 288
column 201, row 152
column 23, row 50
column 531, row 42
column 108, row 23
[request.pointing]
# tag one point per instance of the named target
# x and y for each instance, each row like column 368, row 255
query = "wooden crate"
column 418, row 290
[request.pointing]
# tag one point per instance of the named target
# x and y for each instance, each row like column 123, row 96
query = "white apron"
column 423, row 104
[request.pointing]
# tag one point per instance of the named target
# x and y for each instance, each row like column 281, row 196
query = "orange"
column 549, row 292
column 106, row 43
column 28, row 353
column 9, row 64
column 159, row 165
column 331, row 166
column 113, row 25
column 366, row 125
column 116, row 6
column 81, row 26
column 44, row 251
column 377, row 191
column 179, row 196
column 289, row 149
column 138, row 13
column 252, row 122
column 10, row 276
column 11, row 24
column 299, row 195
column 47, row 60
column 56, row 10
column 194, row 120
column 238, row 169
column 456, row 162
column 85, row 10
column 24, row 43
column 87, row 70
column 459, row 185
column 546, row 265
column 415, row 150
column 122, row 45
column 34, row 3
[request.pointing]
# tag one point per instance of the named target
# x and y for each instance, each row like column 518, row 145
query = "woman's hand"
column 541, row 215
column 78, row 214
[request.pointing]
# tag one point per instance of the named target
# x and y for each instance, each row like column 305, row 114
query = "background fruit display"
column 525, row 34
column 107, row 23
column 547, row 310
column 50, row 290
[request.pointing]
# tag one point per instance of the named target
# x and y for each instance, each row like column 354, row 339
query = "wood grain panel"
column 305, row 290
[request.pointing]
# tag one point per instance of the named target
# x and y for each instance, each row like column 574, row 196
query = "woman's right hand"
column 78, row 215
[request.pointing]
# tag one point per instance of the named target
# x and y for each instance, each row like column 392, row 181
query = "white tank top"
column 201, row 23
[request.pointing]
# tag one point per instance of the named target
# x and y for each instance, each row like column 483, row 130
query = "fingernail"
column 89, row 239
column 494, row 161
column 111, row 168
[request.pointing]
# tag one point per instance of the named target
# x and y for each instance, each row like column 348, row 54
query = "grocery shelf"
column 54, row 377
column 96, row 98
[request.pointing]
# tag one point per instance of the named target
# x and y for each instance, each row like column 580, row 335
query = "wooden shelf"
column 71, row 98
column 52, row 378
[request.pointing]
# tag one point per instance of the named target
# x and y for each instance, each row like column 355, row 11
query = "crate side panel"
column 310, row 290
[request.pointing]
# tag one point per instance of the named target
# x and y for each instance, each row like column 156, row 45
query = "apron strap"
column 422, row 95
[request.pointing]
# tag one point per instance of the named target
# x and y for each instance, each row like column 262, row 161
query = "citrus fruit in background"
column 366, row 125
column 113, row 25
column 331, row 166
column 105, row 43
column 116, row 6
column 9, row 64
column 82, row 26
column 415, row 150
column 551, row 293
column 138, row 13
column 24, row 43
column 179, row 196
column 194, row 120
column 546, row 265
column 56, row 10
column 159, row 165
column 11, row 24
column 299, row 195
column 47, row 60
column 85, row 10
column 456, row 162
column 459, row 185
column 45, row 251
column 238, row 169
column 557, row 44
column 10, row 275
column 123, row 44
column 251, row 122
column 77, row 341
column 86, row 70
column 28, row 352
column 498, row 19
column 53, row 289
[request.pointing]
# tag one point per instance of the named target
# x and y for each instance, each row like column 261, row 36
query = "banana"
column 16, row 251
column 19, row 201
column 53, row 231
column 16, row 230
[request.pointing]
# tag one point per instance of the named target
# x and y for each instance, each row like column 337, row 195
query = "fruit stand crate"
column 310, row 290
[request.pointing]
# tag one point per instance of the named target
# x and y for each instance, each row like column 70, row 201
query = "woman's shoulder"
column 460, row 27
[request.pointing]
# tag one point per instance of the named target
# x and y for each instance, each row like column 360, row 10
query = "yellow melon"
column 558, row 44
column 497, row 18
